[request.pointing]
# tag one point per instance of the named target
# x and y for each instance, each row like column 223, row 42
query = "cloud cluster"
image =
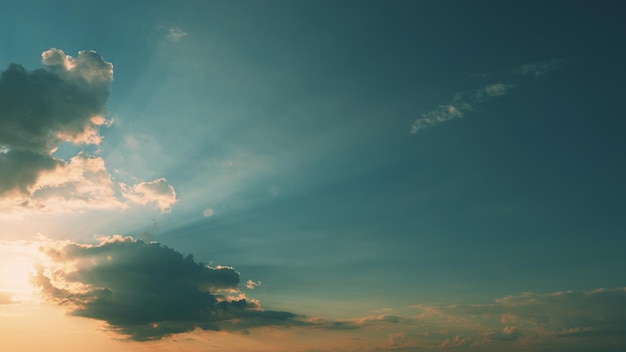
column 146, row 291
column 464, row 101
column 558, row 321
column 583, row 318
column 63, row 102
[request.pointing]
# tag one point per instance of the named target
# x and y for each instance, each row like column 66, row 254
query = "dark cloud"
column 63, row 102
column 147, row 291
column 20, row 169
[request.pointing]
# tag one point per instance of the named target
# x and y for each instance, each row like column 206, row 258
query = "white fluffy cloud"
column 158, row 192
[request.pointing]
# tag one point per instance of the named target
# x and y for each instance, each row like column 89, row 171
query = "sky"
column 312, row 175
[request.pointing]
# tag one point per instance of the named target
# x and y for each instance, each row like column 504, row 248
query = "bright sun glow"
column 17, row 266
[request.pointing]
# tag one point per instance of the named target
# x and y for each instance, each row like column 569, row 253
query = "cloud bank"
column 146, row 291
column 563, row 321
column 63, row 102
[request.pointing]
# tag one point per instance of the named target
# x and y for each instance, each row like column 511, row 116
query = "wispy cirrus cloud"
column 63, row 102
column 539, row 69
column 465, row 101
column 461, row 103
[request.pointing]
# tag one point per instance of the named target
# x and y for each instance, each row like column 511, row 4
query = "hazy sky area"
column 312, row 176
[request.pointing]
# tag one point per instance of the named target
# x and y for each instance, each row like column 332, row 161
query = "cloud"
column 598, row 316
column 146, row 291
column 441, row 114
column 601, row 310
column 464, row 101
column 251, row 285
column 175, row 34
column 540, row 69
column 461, row 103
column 157, row 191
column 491, row 91
column 456, row 341
column 63, row 102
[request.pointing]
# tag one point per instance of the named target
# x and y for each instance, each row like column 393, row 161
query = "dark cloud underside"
column 147, row 291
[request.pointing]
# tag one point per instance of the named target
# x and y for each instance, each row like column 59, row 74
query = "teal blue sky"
column 357, row 156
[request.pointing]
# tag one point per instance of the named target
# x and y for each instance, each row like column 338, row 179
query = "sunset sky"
column 312, row 176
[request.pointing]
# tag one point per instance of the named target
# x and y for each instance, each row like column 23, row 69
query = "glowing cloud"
column 63, row 102
column 157, row 191
column 146, row 291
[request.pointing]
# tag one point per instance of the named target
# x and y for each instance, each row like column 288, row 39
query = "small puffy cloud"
column 175, row 34
column 63, row 102
column 456, row 341
column 508, row 333
column 83, row 182
column 146, row 291
column 158, row 192
column 251, row 285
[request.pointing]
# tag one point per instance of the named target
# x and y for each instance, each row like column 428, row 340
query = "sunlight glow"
column 18, row 260
column 16, row 274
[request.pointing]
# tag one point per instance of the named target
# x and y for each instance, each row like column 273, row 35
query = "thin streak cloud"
column 463, row 102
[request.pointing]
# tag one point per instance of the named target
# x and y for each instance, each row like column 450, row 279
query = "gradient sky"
column 312, row 176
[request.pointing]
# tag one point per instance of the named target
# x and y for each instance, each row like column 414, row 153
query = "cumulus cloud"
column 63, row 102
column 251, row 285
column 146, row 291
column 158, row 192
